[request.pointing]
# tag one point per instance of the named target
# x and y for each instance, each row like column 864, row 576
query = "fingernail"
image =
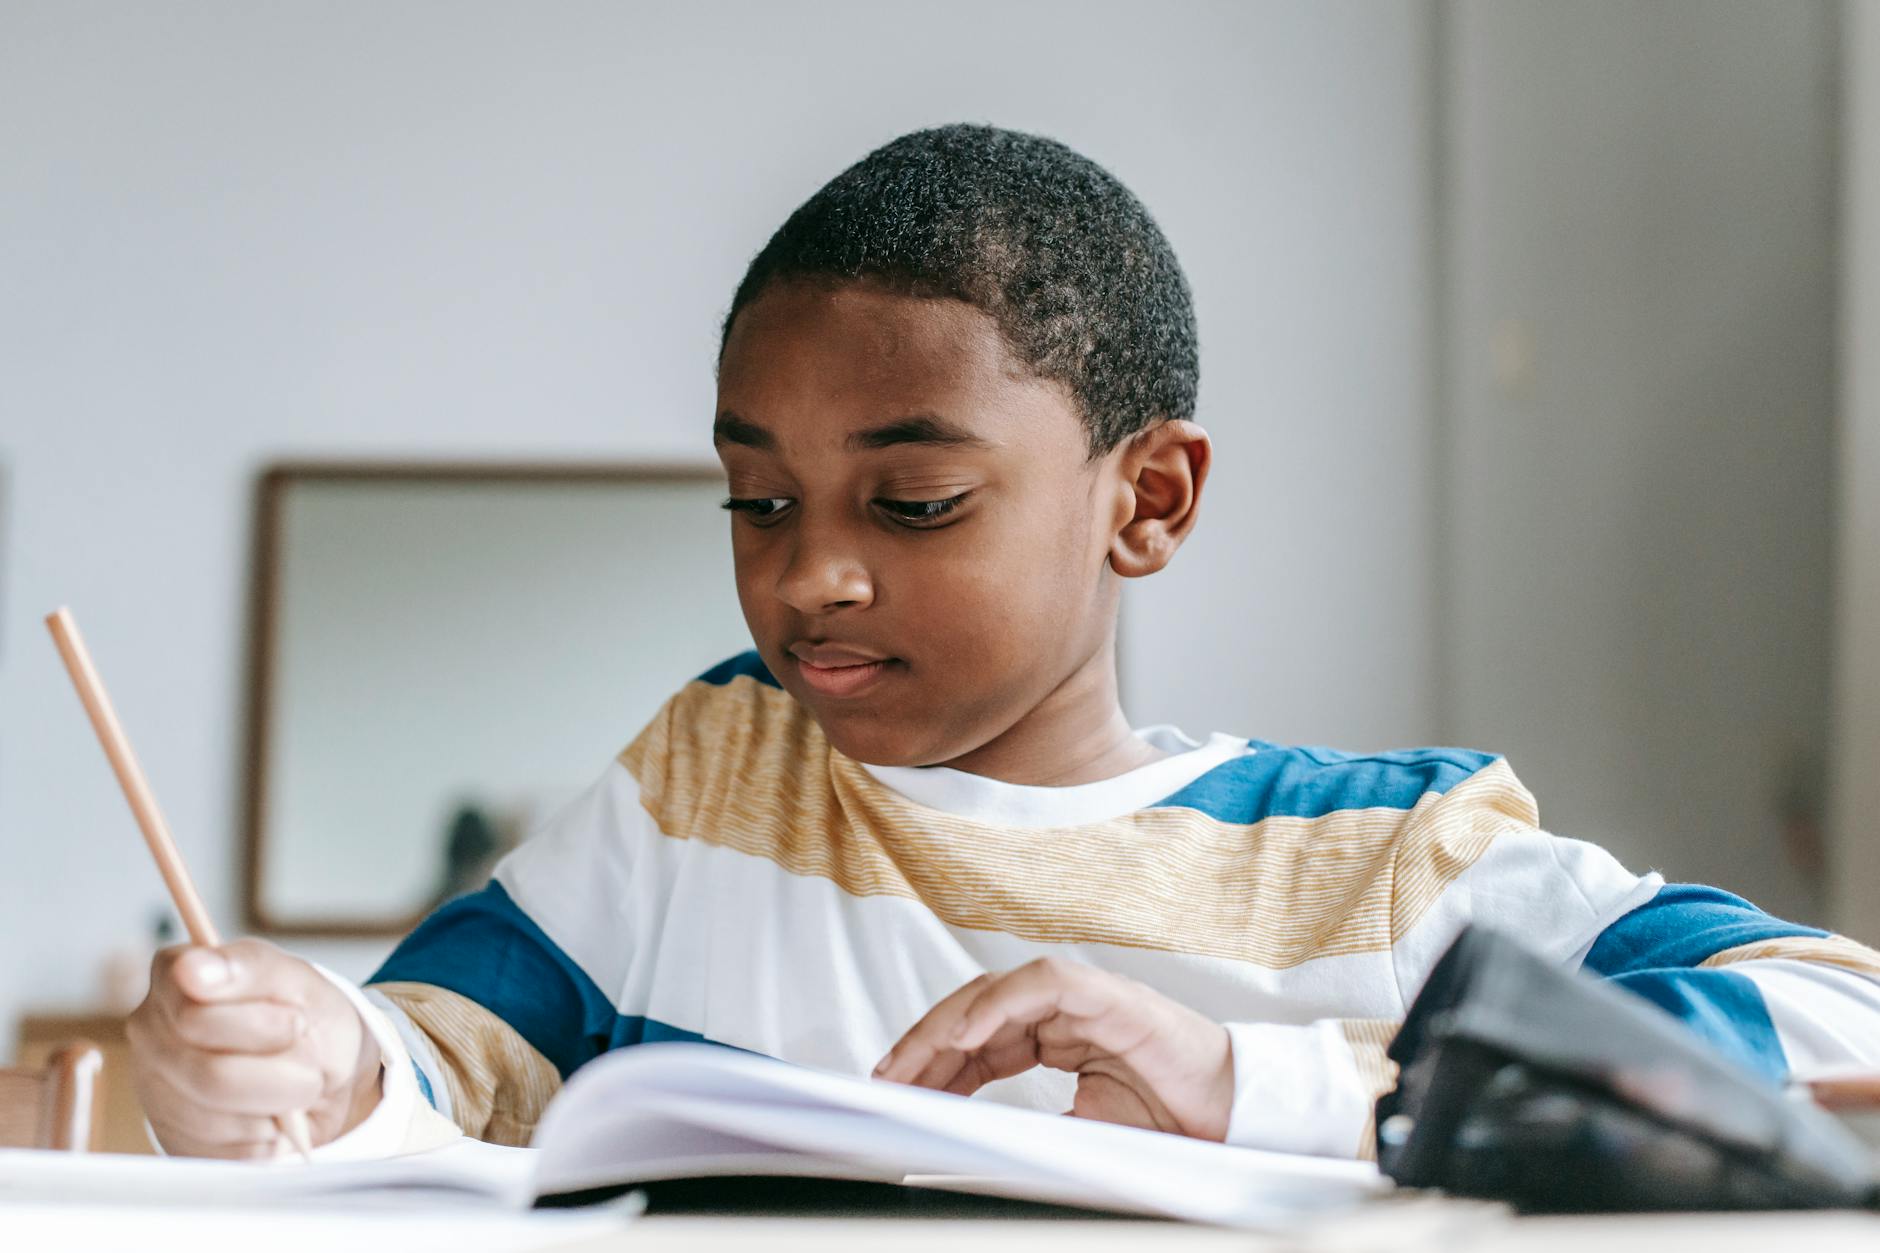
column 212, row 971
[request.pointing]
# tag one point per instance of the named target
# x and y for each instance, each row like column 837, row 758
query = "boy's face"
column 920, row 536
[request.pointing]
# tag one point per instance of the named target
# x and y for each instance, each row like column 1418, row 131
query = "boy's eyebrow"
column 922, row 428
column 729, row 428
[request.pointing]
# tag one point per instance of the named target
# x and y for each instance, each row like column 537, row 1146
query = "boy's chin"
column 867, row 741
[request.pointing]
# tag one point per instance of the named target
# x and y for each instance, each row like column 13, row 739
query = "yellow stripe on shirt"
column 1832, row 950
column 499, row 1084
column 742, row 765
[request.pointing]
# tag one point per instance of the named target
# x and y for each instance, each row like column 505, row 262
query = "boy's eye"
column 757, row 508
column 919, row 512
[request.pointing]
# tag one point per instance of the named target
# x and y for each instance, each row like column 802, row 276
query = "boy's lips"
column 838, row 670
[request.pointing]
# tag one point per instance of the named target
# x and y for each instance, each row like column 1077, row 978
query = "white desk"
column 1440, row 1227
column 79, row 1227
column 1462, row 1230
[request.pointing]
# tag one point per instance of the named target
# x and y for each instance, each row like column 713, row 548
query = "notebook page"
column 616, row 1118
column 463, row 1170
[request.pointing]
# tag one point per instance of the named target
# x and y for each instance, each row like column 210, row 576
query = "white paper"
column 666, row 1111
column 464, row 1172
column 77, row 1227
column 671, row 1110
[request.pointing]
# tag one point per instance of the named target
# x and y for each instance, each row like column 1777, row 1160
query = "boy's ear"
column 1161, row 473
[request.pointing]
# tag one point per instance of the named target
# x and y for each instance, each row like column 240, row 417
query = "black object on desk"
column 790, row 1196
column 1556, row 1092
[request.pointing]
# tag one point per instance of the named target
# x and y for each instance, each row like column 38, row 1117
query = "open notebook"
column 693, row 1111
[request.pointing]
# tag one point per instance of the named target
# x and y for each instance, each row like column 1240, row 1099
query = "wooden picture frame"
column 272, row 488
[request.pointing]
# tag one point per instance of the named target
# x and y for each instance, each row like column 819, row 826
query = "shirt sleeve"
column 498, row 996
column 1785, row 1001
column 402, row 1121
column 1313, row 1088
column 1308, row 1088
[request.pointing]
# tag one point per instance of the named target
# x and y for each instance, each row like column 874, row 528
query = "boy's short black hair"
column 1081, row 281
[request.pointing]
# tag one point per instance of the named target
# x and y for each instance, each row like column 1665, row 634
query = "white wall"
column 1638, row 316
column 1855, row 815
column 230, row 232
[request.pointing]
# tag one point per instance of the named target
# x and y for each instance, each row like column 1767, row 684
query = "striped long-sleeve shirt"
column 733, row 878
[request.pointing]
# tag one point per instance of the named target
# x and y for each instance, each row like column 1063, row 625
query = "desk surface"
column 1435, row 1226
column 1417, row 1224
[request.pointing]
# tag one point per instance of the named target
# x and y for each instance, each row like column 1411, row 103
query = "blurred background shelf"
column 117, row 1118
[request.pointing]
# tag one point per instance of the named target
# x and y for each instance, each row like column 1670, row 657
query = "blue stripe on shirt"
column 1680, row 927
column 746, row 665
column 1723, row 1008
column 1276, row 781
column 484, row 947
column 1656, row 950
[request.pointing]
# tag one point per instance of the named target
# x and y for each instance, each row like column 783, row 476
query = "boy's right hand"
column 232, row 1037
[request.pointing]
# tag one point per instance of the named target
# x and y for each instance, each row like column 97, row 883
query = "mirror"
column 444, row 655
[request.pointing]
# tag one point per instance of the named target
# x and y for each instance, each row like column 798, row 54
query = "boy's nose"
column 823, row 574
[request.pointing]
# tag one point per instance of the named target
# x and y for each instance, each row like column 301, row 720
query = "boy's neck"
column 1077, row 734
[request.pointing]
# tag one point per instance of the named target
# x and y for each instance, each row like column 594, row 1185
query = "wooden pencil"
column 143, row 803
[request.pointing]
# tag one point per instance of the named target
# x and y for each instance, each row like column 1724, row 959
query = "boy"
column 913, row 832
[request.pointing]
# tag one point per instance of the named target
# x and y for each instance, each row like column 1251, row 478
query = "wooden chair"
column 51, row 1108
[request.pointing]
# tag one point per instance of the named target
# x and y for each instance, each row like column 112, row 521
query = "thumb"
column 205, row 974
column 240, row 971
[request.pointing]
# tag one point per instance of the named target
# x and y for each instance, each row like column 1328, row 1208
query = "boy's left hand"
column 1140, row 1058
